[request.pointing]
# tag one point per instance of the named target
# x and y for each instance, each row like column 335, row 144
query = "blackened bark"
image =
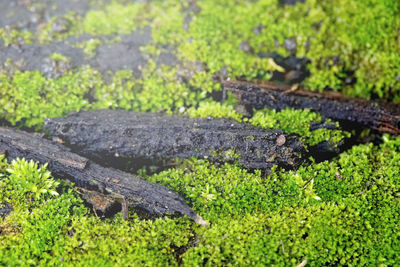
column 150, row 138
column 102, row 187
column 378, row 116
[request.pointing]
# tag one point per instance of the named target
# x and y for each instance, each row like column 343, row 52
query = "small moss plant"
column 28, row 97
column 15, row 37
column 215, row 110
column 47, row 228
column 89, row 47
column 298, row 121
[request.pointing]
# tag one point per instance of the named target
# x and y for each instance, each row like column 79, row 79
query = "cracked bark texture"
column 378, row 116
column 152, row 138
column 104, row 188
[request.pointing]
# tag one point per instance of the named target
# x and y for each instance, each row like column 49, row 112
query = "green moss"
column 26, row 183
column 215, row 110
column 348, row 53
column 159, row 90
column 116, row 18
column 15, row 37
column 343, row 212
column 28, row 98
column 60, row 27
column 327, row 213
column 215, row 35
column 89, row 47
column 58, row 57
column 117, row 242
column 342, row 44
column 57, row 230
column 298, row 121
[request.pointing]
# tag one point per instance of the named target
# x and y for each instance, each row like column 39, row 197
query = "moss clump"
column 348, row 53
column 28, row 98
column 60, row 27
column 216, row 35
column 299, row 122
column 343, row 212
column 89, row 47
column 340, row 212
column 215, row 110
column 15, row 37
column 58, row 57
column 47, row 228
column 158, row 90
column 39, row 215
column 118, row 242
column 115, row 18
column 346, row 50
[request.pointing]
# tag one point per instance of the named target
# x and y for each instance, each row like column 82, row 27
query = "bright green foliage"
column 121, row 243
column 90, row 46
column 51, row 229
column 13, row 36
column 121, row 93
column 341, row 43
column 298, row 121
column 58, row 57
column 215, row 110
column 342, row 212
column 237, row 193
column 345, row 212
column 39, row 232
column 350, row 51
column 25, row 183
column 28, row 97
column 115, row 18
column 157, row 91
column 59, row 28
column 40, row 213
column 215, row 36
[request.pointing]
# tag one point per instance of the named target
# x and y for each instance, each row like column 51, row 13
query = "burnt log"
column 104, row 188
column 378, row 116
column 159, row 139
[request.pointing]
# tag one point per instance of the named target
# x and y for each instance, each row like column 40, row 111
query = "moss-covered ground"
column 344, row 211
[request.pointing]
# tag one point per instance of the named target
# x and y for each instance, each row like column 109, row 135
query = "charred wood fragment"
column 5, row 209
column 104, row 188
column 151, row 138
column 378, row 116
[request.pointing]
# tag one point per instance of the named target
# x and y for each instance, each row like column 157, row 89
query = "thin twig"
column 125, row 211
column 283, row 246
column 303, row 263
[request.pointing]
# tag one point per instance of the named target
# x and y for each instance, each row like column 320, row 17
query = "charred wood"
column 5, row 210
column 151, row 138
column 378, row 116
column 104, row 188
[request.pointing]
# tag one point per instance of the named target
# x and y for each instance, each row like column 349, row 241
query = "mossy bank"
column 171, row 56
